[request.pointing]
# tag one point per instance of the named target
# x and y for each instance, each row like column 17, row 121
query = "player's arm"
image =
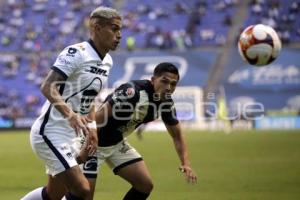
column 181, row 148
column 92, row 126
column 50, row 89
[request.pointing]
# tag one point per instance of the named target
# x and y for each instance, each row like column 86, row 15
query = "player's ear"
column 97, row 27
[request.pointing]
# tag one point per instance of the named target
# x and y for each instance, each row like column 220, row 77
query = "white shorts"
column 116, row 156
column 57, row 151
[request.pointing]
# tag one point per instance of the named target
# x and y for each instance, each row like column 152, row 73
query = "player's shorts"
column 58, row 152
column 116, row 156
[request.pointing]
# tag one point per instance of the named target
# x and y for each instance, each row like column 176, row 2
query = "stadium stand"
column 33, row 31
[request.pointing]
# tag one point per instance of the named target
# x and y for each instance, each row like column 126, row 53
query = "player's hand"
column 78, row 123
column 83, row 154
column 190, row 175
column 88, row 148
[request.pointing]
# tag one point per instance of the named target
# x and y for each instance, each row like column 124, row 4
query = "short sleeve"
column 124, row 94
column 168, row 114
column 67, row 62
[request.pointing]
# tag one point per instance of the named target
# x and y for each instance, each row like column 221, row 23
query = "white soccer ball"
column 259, row 45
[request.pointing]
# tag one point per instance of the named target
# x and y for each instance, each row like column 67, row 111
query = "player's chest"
column 93, row 69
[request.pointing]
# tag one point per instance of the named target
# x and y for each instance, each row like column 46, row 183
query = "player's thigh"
column 128, row 164
column 56, row 151
column 74, row 180
column 55, row 188
column 137, row 174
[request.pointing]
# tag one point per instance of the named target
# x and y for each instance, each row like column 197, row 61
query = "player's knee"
column 146, row 186
column 83, row 191
column 149, row 187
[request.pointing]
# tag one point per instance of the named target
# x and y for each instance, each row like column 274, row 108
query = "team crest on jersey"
column 130, row 92
column 81, row 47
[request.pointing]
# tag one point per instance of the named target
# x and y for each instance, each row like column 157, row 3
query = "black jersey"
column 133, row 104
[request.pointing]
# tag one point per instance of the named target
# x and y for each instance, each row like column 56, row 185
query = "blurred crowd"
column 283, row 16
column 35, row 25
column 33, row 31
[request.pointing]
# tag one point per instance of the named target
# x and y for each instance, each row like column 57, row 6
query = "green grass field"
column 241, row 166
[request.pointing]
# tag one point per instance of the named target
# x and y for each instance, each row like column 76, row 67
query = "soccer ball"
column 259, row 45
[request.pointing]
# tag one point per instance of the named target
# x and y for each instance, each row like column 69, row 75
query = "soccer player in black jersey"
column 129, row 106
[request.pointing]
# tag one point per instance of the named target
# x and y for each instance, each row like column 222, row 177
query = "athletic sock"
column 134, row 194
column 37, row 194
column 70, row 196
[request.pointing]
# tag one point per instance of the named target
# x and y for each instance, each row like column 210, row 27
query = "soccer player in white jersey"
column 76, row 78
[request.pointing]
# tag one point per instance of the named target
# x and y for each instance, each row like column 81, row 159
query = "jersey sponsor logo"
column 98, row 71
column 71, row 52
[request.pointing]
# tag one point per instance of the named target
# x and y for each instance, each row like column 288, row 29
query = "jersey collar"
column 90, row 41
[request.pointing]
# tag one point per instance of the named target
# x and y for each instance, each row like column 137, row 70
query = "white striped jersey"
column 85, row 73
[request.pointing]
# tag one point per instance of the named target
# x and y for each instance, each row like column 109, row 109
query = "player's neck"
column 100, row 51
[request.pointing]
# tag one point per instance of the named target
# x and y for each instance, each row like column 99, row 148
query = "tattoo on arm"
column 54, row 77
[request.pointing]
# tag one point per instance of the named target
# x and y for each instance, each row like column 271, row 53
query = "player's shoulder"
column 80, row 48
column 141, row 84
column 129, row 90
column 74, row 50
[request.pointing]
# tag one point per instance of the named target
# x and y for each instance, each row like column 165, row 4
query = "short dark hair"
column 165, row 67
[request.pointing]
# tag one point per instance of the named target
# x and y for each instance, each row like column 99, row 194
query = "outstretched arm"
column 181, row 148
